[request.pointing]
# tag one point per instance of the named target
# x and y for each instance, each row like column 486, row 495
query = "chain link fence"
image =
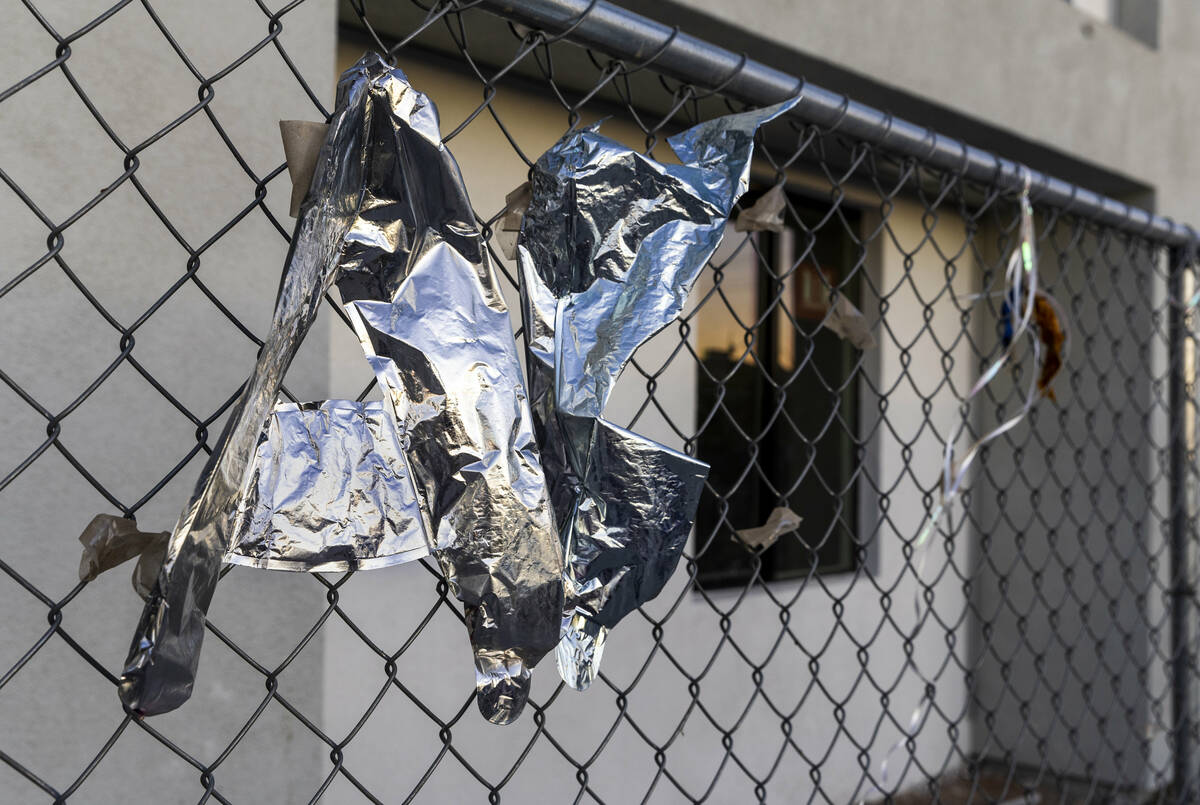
column 1037, row 649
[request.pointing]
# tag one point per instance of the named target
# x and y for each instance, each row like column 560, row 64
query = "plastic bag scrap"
column 611, row 244
column 446, row 464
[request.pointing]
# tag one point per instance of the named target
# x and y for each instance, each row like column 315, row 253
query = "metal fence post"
column 1182, row 587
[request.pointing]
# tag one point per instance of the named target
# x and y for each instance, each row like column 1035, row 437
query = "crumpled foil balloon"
column 610, row 247
column 446, row 463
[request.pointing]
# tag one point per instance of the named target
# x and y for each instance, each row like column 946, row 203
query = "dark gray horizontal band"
column 626, row 35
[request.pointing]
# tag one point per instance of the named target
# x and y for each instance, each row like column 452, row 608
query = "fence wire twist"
column 1050, row 604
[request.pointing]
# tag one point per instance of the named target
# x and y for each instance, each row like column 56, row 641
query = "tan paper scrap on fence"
column 515, row 205
column 848, row 323
column 109, row 541
column 302, row 140
column 781, row 521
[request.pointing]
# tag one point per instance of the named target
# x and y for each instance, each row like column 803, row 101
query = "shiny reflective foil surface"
column 447, row 463
column 427, row 307
column 329, row 490
column 610, row 247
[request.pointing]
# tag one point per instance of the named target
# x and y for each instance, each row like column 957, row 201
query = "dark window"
column 777, row 400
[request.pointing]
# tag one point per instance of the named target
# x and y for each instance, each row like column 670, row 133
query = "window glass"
column 777, row 400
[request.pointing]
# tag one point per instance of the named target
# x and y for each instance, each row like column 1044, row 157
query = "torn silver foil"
column 446, row 464
column 608, row 252
column 427, row 307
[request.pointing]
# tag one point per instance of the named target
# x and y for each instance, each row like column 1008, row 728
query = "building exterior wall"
column 1066, row 612
column 1060, row 78
column 57, row 713
column 1040, row 70
column 661, row 698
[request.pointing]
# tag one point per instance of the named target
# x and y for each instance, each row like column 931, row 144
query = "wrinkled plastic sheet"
column 610, row 247
column 445, row 464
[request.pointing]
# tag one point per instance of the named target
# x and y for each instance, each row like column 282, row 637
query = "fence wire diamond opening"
column 1041, row 639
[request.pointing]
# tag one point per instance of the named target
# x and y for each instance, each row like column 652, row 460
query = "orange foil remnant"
column 1053, row 336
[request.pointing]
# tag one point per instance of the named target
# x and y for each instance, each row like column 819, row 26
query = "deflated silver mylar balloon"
column 446, row 464
column 610, row 247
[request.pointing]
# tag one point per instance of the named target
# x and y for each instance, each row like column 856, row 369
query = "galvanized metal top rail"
column 626, row 35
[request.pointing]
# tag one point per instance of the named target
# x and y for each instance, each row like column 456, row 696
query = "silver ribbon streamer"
column 1021, row 289
column 448, row 456
column 610, row 247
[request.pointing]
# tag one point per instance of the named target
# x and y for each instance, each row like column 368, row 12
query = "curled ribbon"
column 1020, row 311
